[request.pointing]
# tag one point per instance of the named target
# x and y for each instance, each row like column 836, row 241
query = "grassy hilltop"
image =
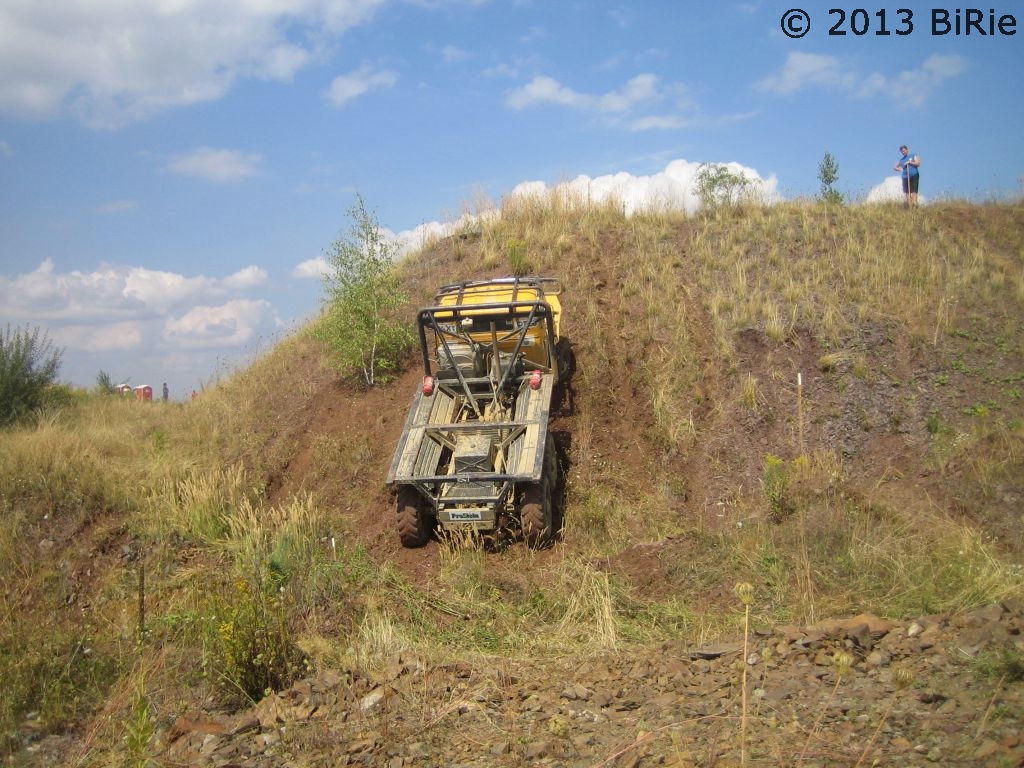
column 824, row 402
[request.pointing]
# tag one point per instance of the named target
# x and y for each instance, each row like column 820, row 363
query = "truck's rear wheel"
column 413, row 521
column 538, row 502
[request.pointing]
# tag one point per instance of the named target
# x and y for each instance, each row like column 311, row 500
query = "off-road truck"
column 475, row 452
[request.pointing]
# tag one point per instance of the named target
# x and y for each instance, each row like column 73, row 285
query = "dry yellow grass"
column 196, row 473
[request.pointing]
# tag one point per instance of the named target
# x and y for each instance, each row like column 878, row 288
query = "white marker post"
column 800, row 409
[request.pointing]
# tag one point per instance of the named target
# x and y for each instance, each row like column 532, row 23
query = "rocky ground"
column 938, row 691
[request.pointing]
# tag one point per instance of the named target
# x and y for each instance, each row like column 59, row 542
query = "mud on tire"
column 537, row 510
column 414, row 523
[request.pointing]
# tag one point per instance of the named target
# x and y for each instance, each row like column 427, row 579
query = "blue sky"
column 172, row 171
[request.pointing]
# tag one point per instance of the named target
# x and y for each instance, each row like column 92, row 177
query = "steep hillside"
column 674, row 412
column 801, row 399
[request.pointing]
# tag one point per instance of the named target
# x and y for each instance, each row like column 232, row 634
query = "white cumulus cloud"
column 311, row 269
column 49, row 295
column 922, row 82
column 889, row 191
column 122, row 336
column 113, row 63
column 348, row 87
column 546, row 90
column 217, row 165
column 113, row 293
column 672, row 189
column 245, row 279
column 631, row 105
column 806, row 71
column 230, row 324
column 160, row 290
column 132, row 321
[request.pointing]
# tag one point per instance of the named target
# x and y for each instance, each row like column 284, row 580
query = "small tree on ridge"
column 717, row 186
column 362, row 295
column 828, row 175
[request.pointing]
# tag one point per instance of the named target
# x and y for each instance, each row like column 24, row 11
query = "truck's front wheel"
column 413, row 522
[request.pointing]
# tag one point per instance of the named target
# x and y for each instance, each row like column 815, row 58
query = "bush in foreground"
column 28, row 367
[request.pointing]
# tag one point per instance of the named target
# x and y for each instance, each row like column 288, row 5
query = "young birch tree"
column 828, row 175
column 363, row 295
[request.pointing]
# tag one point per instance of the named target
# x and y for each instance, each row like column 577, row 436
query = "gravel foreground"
column 938, row 691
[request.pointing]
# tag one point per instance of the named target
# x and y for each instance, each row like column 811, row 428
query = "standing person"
column 165, row 392
column 909, row 167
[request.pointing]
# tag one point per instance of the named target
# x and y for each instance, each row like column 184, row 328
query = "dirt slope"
column 673, row 704
column 670, row 705
column 874, row 416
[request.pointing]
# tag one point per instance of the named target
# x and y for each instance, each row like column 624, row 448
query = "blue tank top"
column 904, row 163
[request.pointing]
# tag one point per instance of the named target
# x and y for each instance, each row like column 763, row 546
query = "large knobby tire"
column 538, row 502
column 413, row 522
